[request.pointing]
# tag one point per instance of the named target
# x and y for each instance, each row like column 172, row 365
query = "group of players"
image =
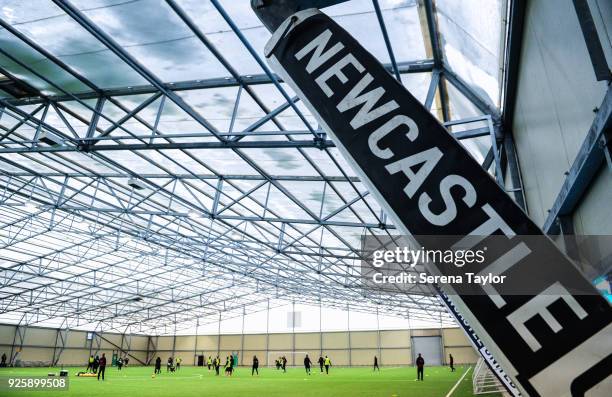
column 281, row 363
column 172, row 364
column 215, row 363
column 96, row 364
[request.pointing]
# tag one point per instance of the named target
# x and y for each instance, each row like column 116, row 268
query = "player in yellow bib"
column 328, row 364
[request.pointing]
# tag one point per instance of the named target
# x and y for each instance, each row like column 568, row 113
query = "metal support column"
column 242, row 337
column 378, row 347
column 348, row 333
column 219, row 335
column 195, row 343
column 320, row 331
column 268, row 332
column 293, row 332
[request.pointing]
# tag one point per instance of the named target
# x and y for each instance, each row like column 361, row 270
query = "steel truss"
column 152, row 243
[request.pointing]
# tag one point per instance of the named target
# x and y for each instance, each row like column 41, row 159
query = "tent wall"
column 40, row 344
column 354, row 348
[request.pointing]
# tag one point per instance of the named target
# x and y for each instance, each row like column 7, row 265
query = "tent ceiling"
column 185, row 182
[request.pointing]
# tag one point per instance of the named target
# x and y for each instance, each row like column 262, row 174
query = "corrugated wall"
column 354, row 348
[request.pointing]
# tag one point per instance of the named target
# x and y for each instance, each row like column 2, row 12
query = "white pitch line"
column 459, row 381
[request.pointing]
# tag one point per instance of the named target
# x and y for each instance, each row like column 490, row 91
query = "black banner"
column 430, row 185
column 479, row 346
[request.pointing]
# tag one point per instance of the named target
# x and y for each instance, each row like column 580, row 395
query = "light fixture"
column 49, row 139
column 136, row 184
column 30, row 206
column 194, row 214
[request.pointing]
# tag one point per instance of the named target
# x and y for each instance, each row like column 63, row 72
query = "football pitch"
column 197, row 381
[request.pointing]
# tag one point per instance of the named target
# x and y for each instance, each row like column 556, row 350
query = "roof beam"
column 87, row 148
column 421, row 66
column 512, row 60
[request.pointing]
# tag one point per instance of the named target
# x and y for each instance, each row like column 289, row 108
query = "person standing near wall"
column 178, row 363
column 321, row 362
column 420, row 363
column 376, row 364
column 102, row 368
column 209, row 363
column 90, row 364
column 451, row 361
column 119, row 363
column 158, row 365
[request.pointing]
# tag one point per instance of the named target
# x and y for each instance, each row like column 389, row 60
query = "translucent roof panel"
column 472, row 36
column 161, row 165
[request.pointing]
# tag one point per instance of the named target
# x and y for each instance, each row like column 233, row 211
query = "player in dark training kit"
column 420, row 363
column 307, row 363
column 255, row 367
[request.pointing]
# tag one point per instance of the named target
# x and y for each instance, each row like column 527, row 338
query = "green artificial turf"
column 197, row 381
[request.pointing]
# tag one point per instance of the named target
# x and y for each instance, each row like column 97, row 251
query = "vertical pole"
column 442, row 348
column 348, row 333
column 268, row 333
column 320, row 331
column 378, row 337
column 195, row 344
column 293, row 331
column 412, row 357
column 219, row 335
column 174, row 341
column 242, row 338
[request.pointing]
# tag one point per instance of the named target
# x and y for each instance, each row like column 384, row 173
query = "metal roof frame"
column 79, row 243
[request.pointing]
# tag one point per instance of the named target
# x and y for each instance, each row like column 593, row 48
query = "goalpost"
column 293, row 358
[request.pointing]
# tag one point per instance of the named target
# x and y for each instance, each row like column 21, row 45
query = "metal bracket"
column 272, row 13
column 319, row 141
